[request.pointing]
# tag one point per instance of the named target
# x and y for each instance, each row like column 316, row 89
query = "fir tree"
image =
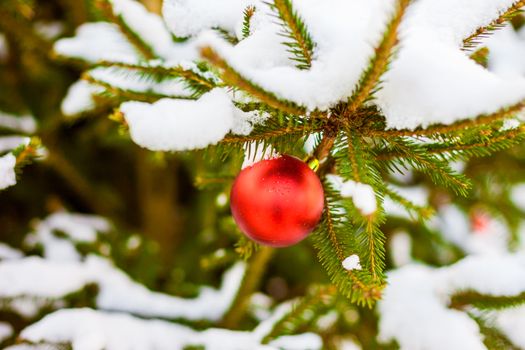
column 405, row 117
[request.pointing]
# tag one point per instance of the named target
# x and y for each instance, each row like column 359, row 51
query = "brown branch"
column 252, row 278
column 506, row 16
column 231, row 77
column 458, row 126
column 379, row 63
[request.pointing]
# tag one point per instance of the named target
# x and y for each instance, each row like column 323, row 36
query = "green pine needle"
column 299, row 41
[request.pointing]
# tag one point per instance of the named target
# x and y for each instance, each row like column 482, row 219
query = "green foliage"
column 475, row 38
column 247, row 21
column 350, row 141
column 356, row 163
column 486, row 302
column 403, row 153
column 298, row 40
column 236, row 80
column 197, row 80
column 335, row 240
column 492, row 337
column 368, row 83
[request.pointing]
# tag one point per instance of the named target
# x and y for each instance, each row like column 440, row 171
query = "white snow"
column 507, row 49
column 352, row 263
column 77, row 228
column 414, row 308
column 97, row 41
column 518, row 196
column 79, row 98
column 418, row 195
column 400, row 249
column 190, row 17
column 51, row 279
column 22, row 123
column 151, row 28
column 413, row 314
column 511, row 322
column 363, row 195
column 8, row 143
column 9, row 253
column 6, row 331
column 432, row 80
column 101, row 41
column 456, row 227
column 7, row 171
column 49, row 30
column 34, row 276
column 339, row 58
column 88, row 329
column 245, row 121
column 133, row 81
column 177, row 125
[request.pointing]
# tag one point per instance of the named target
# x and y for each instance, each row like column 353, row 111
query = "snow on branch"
column 98, row 41
column 415, row 312
column 34, row 277
column 113, row 331
column 432, row 80
column 187, row 18
column 59, row 232
column 102, row 41
column 9, row 253
column 177, row 125
column 263, row 60
column 21, row 123
column 7, row 171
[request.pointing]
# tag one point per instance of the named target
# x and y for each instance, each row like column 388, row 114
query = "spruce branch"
column 481, row 146
column 269, row 134
column 334, row 242
column 142, row 47
column 492, row 337
column 247, row 21
column 121, row 94
column 356, row 163
column 233, row 78
column 460, row 126
column 26, row 154
column 300, row 43
column 379, row 62
column 226, row 35
column 481, row 56
column 485, row 302
column 422, row 212
column 475, row 38
column 196, row 81
column 413, row 155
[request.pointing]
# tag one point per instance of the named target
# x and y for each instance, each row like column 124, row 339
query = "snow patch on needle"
column 362, row 195
column 352, row 263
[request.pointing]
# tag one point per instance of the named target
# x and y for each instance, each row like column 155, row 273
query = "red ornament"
column 277, row 202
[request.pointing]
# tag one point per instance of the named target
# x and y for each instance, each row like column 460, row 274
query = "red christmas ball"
column 277, row 202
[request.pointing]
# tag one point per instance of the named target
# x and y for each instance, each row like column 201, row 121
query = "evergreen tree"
column 126, row 124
